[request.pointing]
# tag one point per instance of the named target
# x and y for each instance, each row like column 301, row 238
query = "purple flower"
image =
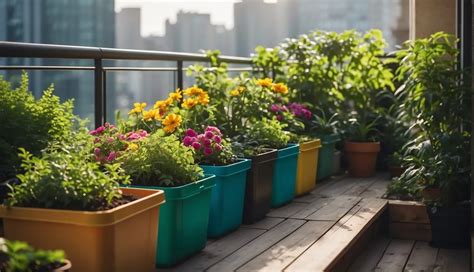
column 207, row 151
column 306, row 114
column 111, row 156
column 196, row 145
column 209, row 134
column 206, row 142
column 97, row 151
column 275, row 108
column 217, row 139
column 191, row 133
column 187, row 141
column 218, row 147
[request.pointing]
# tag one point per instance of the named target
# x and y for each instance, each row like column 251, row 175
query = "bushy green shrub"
column 29, row 123
column 268, row 133
column 16, row 256
column 161, row 161
column 67, row 177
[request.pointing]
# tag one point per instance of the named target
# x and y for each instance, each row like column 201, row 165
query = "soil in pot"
column 362, row 158
column 450, row 226
column 258, row 190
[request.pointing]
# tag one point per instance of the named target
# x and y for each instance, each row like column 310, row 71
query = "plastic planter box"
column 284, row 175
column 227, row 197
column 307, row 166
column 183, row 221
column 119, row 239
column 326, row 155
column 258, row 190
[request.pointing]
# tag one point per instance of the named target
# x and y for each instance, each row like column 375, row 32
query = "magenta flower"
column 217, row 139
column 97, row 151
column 111, row 156
column 143, row 133
column 279, row 117
column 196, row 145
column 207, row 151
column 100, row 129
column 187, row 141
column 191, row 133
column 133, row 136
column 213, row 129
column 206, row 142
column 122, row 137
column 110, row 140
column 275, row 108
column 218, row 147
column 209, row 134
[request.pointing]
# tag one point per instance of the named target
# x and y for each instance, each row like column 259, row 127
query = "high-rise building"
column 70, row 22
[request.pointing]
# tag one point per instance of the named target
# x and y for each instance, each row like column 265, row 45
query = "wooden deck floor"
column 385, row 254
column 305, row 235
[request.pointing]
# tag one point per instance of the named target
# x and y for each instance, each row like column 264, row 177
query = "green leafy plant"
column 269, row 62
column 29, row 123
column 161, row 161
column 67, row 177
column 361, row 130
column 268, row 133
column 323, row 125
column 16, row 256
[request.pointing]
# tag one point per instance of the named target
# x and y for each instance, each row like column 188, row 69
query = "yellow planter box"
column 307, row 166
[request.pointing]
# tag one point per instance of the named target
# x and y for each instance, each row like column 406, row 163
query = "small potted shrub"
column 395, row 167
column 75, row 204
column 215, row 156
column 19, row 256
column 325, row 129
column 164, row 163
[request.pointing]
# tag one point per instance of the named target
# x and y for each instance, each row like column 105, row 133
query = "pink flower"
column 133, row 136
column 209, row 134
column 122, row 137
column 206, row 142
column 110, row 140
column 191, row 133
column 218, row 147
column 275, row 108
column 196, row 145
column 207, row 151
column 111, row 156
column 279, row 117
column 201, row 137
column 143, row 133
column 213, row 130
column 96, row 140
column 97, row 151
column 100, row 129
column 217, row 139
column 187, row 141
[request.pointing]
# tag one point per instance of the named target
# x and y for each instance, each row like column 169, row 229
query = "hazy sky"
column 155, row 12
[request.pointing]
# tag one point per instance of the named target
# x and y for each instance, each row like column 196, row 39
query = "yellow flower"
column 189, row 103
column 175, row 96
column 266, row 82
column 193, row 91
column 132, row 146
column 171, row 122
column 203, row 98
column 234, row 92
column 162, row 105
column 151, row 114
column 280, row 88
column 138, row 108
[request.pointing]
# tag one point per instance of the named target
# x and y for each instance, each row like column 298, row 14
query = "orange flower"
column 280, row 88
column 189, row 103
column 171, row 122
column 175, row 96
column 266, row 82
column 151, row 114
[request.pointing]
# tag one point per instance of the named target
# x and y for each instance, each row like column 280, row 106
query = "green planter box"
column 227, row 200
column 184, row 217
column 326, row 156
column 284, row 175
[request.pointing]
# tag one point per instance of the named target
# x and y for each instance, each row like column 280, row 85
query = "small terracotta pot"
column 362, row 158
column 66, row 267
column 431, row 194
column 396, row 171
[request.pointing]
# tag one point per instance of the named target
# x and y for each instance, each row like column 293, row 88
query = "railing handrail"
column 37, row 50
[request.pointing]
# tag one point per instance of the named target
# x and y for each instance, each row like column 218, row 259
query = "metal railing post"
column 99, row 93
column 180, row 74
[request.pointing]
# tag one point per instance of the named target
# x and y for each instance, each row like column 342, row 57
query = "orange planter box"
column 120, row 239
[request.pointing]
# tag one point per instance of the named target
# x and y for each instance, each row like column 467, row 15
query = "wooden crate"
column 409, row 220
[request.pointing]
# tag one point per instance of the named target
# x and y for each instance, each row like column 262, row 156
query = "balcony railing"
column 98, row 55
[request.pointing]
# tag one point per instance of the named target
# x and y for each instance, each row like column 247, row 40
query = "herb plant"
column 268, row 133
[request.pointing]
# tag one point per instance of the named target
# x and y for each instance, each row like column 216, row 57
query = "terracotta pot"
column 396, row 171
column 66, row 267
column 362, row 158
column 120, row 239
column 431, row 194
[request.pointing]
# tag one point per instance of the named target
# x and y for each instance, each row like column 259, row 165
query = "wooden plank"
column 265, row 224
column 338, row 188
column 408, row 211
column 333, row 245
column 307, row 198
column 377, row 189
column 219, row 249
column 335, row 209
column 284, row 252
column 396, row 256
column 288, row 210
column 360, row 186
column 452, row 260
column 257, row 246
column 422, row 257
column 312, row 208
column 368, row 260
column 410, row 231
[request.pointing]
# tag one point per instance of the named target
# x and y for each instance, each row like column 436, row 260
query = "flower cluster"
column 300, row 110
column 195, row 96
column 279, row 110
column 209, row 146
column 278, row 88
column 109, row 143
column 237, row 91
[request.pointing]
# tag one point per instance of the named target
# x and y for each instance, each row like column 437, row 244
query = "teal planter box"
column 326, row 155
column 284, row 175
column 182, row 229
column 227, row 200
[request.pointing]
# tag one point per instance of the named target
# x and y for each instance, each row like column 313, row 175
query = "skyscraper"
column 88, row 23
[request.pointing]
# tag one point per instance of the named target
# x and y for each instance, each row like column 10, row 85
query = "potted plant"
column 395, row 167
column 28, row 123
column 78, row 205
column 19, row 256
column 215, row 156
column 438, row 101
